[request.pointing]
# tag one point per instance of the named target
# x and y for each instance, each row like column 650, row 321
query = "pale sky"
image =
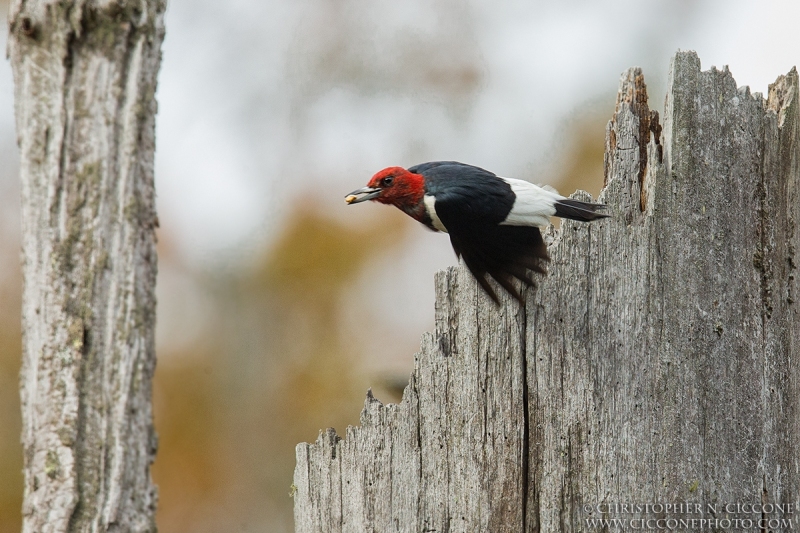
column 263, row 103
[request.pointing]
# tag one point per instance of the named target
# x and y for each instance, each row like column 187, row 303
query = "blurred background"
column 279, row 306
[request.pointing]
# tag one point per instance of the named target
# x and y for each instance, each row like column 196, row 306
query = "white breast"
column 533, row 206
column 430, row 206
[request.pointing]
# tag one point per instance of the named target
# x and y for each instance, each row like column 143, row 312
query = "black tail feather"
column 577, row 210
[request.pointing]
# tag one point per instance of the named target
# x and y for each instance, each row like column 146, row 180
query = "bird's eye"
column 387, row 181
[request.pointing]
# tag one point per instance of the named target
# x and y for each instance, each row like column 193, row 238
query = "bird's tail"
column 577, row 210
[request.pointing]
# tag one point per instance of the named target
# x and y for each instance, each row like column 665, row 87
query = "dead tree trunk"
column 85, row 80
column 657, row 363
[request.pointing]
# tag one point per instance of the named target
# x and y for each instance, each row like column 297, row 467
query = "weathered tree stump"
column 85, row 80
column 654, row 364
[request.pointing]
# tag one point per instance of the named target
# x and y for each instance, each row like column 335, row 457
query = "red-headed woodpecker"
column 493, row 222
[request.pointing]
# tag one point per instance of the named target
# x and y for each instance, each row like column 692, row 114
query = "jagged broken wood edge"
column 629, row 191
column 663, row 373
column 430, row 432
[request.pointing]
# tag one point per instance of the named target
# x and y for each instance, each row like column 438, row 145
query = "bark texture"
column 85, row 79
column 655, row 363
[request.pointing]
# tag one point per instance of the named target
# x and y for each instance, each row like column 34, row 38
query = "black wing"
column 505, row 253
column 471, row 203
column 454, row 167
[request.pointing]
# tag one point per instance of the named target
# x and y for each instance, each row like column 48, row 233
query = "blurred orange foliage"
column 10, row 419
column 272, row 370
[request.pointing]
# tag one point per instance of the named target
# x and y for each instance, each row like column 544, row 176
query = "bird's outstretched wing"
column 473, row 222
column 505, row 253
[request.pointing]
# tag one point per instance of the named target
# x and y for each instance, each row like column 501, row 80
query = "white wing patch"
column 430, row 206
column 533, row 206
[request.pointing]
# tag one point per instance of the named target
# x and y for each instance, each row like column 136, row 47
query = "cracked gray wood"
column 655, row 363
column 85, row 78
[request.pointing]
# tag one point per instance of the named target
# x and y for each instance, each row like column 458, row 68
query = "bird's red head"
column 398, row 186
column 395, row 186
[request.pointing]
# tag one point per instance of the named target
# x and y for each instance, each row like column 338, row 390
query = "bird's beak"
column 362, row 194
